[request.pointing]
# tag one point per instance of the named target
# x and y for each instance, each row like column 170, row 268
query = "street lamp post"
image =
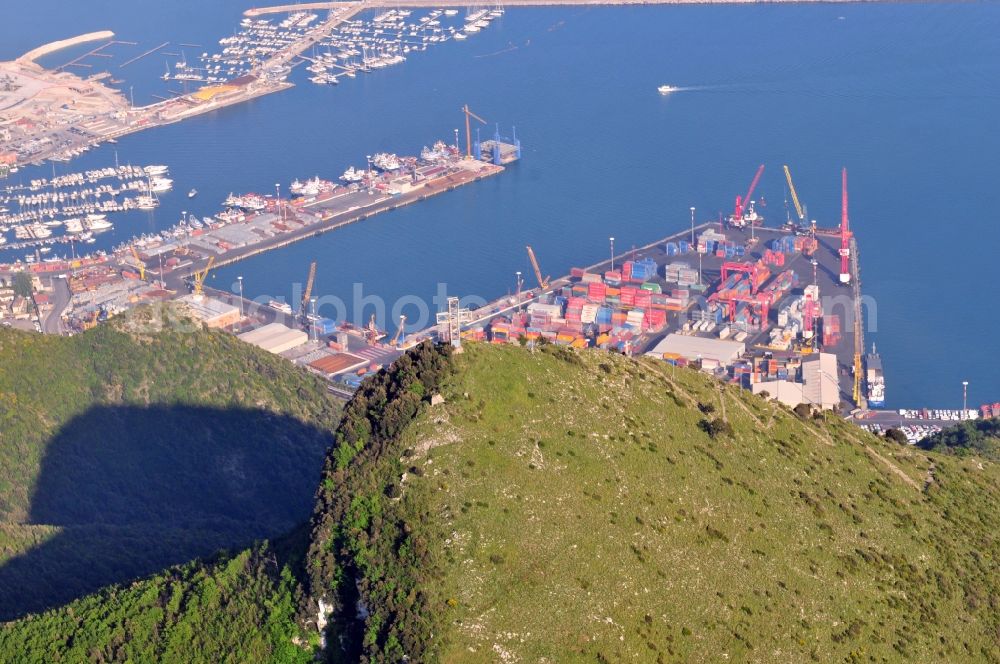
column 692, row 225
column 239, row 280
column 612, row 240
column 277, row 200
column 965, row 399
column 520, row 283
column 312, row 303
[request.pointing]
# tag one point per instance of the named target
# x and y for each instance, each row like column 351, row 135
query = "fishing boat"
column 353, row 175
column 667, row 89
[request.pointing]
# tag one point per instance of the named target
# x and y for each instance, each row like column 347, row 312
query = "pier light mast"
column 845, row 233
column 965, row 399
column 239, row 280
column 612, row 239
column 692, row 225
column 520, row 284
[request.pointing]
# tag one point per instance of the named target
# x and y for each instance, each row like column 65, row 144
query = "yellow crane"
column 398, row 337
column 795, row 196
column 543, row 283
column 468, row 129
column 304, row 308
column 199, row 276
column 857, row 379
column 138, row 262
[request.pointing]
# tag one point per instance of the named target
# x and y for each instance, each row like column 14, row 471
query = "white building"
column 712, row 352
column 820, row 386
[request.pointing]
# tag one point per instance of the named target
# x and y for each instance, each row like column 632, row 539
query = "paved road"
column 59, row 297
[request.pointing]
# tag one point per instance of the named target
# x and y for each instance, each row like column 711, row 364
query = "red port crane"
column 757, row 273
column 845, row 233
column 737, row 218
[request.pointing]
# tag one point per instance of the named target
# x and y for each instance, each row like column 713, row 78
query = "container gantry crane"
column 468, row 129
column 543, row 283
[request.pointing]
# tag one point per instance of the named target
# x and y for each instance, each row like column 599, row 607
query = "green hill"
column 563, row 506
column 143, row 443
column 236, row 608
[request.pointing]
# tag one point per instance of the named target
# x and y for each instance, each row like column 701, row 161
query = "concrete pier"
column 52, row 47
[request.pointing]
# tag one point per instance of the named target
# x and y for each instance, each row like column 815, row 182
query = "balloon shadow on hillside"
column 137, row 489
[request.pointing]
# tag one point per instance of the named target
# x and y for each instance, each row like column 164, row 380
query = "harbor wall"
column 52, row 47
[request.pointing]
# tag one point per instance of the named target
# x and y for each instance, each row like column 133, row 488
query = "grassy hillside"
column 237, row 609
column 574, row 506
column 144, row 443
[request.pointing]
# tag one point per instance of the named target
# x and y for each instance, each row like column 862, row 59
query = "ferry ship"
column 875, row 379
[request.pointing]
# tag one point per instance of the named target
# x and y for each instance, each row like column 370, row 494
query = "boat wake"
column 510, row 48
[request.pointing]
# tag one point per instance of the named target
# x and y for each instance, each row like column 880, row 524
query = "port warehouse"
column 732, row 300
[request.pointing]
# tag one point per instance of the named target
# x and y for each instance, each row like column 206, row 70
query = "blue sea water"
column 903, row 95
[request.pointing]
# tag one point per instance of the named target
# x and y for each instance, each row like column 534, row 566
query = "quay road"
column 59, row 299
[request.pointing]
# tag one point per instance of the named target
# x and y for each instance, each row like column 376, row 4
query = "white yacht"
column 159, row 185
column 98, row 224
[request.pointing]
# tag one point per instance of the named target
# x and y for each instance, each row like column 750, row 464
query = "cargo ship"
column 875, row 379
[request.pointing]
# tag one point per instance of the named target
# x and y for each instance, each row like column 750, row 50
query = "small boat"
column 667, row 89
column 192, row 193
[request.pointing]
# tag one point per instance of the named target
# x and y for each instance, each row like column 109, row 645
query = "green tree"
column 897, row 436
column 22, row 284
